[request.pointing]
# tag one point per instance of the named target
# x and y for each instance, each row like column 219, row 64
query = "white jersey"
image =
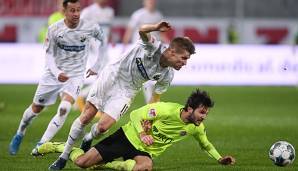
column 141, row 64
column 143, row 16
column 119, row 82
column 67, row 49
column 104, row 17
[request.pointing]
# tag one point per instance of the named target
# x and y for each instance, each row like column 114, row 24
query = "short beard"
column 191, row 118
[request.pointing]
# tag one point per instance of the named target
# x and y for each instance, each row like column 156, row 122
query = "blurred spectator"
column 146, row 15
column 54, row 17
column 232, row 34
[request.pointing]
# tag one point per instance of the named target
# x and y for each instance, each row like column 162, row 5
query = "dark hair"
column 65, row 2
column 198, row 98
column 185, row 43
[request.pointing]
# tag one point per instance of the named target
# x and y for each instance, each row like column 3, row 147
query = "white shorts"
column 109, row 95
column 49, row 88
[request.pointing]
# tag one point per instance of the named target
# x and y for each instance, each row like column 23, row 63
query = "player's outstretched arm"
column 147, row 28
column 227, row 160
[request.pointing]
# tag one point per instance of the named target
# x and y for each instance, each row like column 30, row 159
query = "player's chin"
column 76, row 20
column 177, row 68
column 198, row 123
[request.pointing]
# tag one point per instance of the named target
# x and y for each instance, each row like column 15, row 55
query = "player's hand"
column 62, row 77
column 90, row 73
column 163, row 26
column 147, row 125
column 146, row 139
column 227, row 160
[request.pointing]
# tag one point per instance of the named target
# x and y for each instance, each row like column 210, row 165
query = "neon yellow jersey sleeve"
column 201, row 137
column 56, row 16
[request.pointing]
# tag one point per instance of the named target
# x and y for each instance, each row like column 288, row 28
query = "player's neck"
column 70, row 24
column 183, row 115
column 162, row 61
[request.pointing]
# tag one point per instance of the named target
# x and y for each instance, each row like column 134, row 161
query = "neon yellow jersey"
column 167, row 128
column 56, row 16
column 53, row 18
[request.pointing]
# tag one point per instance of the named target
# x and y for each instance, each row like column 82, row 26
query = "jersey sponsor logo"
column 156, row 76
column 161, row 136
column 93, row 95
column 83, row 39
column 41, row 100
column 71, row 48
column 141, row 68
column 152, row 113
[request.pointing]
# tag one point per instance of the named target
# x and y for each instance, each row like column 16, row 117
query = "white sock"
column 94, row 133
column 76, row 130
column 28, row 116
column 57, row 121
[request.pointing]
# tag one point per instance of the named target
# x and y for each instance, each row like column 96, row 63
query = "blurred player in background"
column 54, row 17
column 151, row 130
column 99, row 12
column 146, row 15
column 119, row 82
column 66, row 56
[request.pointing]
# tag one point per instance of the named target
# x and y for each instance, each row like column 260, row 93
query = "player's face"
column 177, row 59
column 149, row 4
column 102, row 2
column 198, row 115
column 72, row 13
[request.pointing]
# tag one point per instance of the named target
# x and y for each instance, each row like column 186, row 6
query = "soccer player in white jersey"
column 146, row 15
column 99, row 12
column 66, row 55
column 121, row 80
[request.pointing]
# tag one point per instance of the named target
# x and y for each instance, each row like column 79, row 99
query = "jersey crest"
column 156, row 76
column 152, row 113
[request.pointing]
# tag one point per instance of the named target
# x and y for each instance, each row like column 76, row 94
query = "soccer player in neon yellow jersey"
column 151, row 130
column 53, row 18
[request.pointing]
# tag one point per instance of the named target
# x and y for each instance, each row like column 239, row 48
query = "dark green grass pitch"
column 244, row 123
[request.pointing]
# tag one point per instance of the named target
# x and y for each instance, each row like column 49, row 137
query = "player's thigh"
column 46, row 95
column 73, row 87
column 105, row 122
column 117, row 105
column 90, row 158
column 88, row 113
column 114, row 146
column 101, row 89
column 143, row 163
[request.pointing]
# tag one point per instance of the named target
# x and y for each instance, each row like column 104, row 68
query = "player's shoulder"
column 57, row 25
column 157, row 12
column 139, row 12
column 89, row 24
column 168, row 105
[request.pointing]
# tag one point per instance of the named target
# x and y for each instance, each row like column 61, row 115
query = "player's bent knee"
column 102, row 127
column 62, row 111
column 36, row 108
column 81, row 162
column 148, row 166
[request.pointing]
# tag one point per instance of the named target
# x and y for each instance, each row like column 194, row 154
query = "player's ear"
column 189, row 109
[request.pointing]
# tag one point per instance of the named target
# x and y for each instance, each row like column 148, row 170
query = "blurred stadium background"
column 252, row 76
